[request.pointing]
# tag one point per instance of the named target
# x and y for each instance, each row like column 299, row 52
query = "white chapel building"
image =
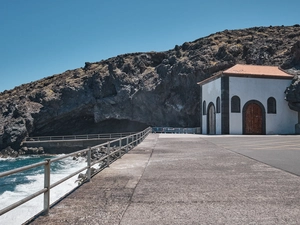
column 247, row 99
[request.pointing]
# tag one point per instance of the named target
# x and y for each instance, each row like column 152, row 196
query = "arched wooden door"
column 211, row 119
column 254, row 118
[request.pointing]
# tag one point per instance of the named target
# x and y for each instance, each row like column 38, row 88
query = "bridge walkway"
column 182, row 179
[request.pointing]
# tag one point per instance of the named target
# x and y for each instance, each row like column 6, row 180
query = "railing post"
column 47, row 185
column 89, row 164
column 108, row 154
column 127, row 140
column 120, row 145
column 134, row 140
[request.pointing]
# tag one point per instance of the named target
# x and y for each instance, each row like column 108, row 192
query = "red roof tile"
column 254, row 70
column 240, row 70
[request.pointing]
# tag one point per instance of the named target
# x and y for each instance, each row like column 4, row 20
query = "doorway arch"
column 211, row 119
column 254, row 118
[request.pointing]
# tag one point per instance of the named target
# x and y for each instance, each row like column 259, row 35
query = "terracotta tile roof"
column 253, row 70
column 240, row 70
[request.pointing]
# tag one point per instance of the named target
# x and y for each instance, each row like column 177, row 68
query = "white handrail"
column 78, row 137
column 135, row 139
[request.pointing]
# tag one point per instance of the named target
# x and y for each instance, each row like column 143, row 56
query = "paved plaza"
column 279, row 151
column 192, row 179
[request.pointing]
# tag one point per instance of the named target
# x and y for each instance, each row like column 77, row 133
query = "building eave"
column 244, row 76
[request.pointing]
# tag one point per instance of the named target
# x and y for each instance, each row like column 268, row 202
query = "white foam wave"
column 20, row 157
column 8, row 159
column 24, row 212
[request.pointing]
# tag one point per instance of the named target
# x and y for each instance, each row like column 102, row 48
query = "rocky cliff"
column 132, row 91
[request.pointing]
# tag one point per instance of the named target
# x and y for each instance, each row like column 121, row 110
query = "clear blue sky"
column 39, row 38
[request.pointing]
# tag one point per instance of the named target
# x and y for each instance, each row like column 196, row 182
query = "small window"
column 204, row 108
column 235, row 104
column 218, row 104
column 271, row 105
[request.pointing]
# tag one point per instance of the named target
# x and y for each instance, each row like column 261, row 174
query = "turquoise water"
column 20, row 185
column 9, row 183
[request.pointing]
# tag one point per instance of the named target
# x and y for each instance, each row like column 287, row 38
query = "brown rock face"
column 292, row 65
column 132, row 91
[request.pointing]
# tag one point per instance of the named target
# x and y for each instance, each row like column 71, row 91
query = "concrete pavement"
column 183, row 179
column 280, row 151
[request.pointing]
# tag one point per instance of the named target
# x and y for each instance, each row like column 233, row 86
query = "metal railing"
column 111, row 150
column 176, row 130
column 78, row 137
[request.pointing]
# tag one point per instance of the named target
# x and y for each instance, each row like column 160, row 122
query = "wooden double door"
column 254, row 118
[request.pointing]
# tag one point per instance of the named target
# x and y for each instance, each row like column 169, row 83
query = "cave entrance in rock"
column 86, row 125
column 120, row 126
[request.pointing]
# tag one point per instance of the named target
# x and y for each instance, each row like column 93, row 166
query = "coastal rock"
column 132, row 91
column 292, row 65
column 32, row 151
column 8, row 152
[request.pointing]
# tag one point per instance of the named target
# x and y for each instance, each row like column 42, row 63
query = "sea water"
column 18, row 186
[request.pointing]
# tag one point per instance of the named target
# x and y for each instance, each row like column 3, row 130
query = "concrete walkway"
column 182, row 179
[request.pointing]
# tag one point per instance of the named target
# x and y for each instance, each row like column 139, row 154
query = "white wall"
column 210, row 92
column 260, row 89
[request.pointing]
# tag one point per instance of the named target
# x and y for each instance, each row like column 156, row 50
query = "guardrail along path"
column 182, row 179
